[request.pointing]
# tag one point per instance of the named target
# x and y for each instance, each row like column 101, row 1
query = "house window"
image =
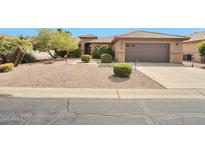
column 133, row 45
column 127, row 45
column 187, row 57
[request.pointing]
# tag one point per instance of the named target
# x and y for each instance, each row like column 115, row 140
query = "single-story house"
column 190, row 47
column 142, row 46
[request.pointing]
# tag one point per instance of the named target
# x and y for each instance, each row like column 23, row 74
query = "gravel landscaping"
column 73, row 75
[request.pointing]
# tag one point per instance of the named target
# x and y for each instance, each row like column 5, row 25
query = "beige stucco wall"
column 175, row 48
column 191, row 48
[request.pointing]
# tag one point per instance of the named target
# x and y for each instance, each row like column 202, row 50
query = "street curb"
column 100, row 93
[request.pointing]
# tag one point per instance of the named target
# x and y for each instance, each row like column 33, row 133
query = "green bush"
column 122, row 70
column 60, row 53
column 86, row 58
column 6, row 67
column 106, row 58
column 74, row 53
column 106, row 50
column 201, row 47
column 96, row 53
column 28, row 58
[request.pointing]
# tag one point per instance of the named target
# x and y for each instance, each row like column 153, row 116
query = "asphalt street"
column 45, row 111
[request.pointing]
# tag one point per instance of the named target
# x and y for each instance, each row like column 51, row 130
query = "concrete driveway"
column 174, row 76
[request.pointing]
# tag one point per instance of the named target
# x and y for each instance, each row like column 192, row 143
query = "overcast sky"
column 101, row 31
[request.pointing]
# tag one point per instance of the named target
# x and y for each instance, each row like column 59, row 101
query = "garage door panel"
column 147, row 52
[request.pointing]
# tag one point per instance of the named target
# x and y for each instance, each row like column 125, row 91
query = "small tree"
column 63, row 42
column 59, row 41
column 107, row 50
column 96, row 53
column 43, row 42
column 6, row 46
column 201, row 48
column 99, row 50
column 22, row 46
column 12, row 50
column 66, row 31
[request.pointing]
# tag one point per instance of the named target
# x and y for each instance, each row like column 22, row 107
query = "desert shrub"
column 86, row 58
column 106, row 58
column 96, row 53
column 122, row 70
column 74, row 53
column 106, row 50
column 60, row 53
column 6, row 67
column 201, row 47
column 28, row 58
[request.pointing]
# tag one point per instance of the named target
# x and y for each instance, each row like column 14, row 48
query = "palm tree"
column 60, row 30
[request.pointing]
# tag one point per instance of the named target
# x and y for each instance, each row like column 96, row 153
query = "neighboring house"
column 190, row 47
column 142, row 46
column 7, row 36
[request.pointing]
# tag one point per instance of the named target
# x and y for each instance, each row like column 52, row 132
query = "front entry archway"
column 87, row 48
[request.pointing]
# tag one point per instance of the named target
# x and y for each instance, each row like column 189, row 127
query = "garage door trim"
column 147, row 52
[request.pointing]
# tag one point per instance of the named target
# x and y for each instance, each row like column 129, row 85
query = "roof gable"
column 103, row 40
column 151, row 35
column 88, row 36
column 200, row 36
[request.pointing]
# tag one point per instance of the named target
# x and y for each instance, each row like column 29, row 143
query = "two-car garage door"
column 147, row 52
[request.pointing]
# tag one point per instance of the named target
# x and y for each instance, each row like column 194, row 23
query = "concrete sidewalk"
column 100, row 93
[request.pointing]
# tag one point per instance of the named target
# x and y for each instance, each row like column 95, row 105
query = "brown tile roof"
column 151, row 35
column 88, row 36
column 104, row 40
column 8, row 36
column 200, row 36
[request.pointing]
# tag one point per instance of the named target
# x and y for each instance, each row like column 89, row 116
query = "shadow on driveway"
column 145, row 64
column 105, row 65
